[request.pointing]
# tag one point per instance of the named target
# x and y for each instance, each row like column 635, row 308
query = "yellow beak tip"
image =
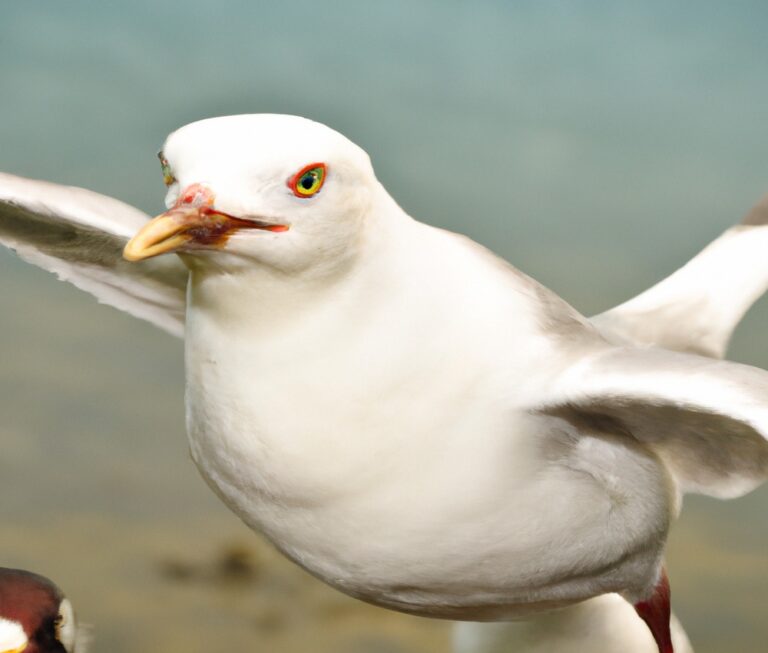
column 132, row 253
column 161, row 235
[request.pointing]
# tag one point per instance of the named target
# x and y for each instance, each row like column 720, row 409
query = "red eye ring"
column 308, row 181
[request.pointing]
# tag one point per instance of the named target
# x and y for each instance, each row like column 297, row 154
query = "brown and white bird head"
column 35, row 616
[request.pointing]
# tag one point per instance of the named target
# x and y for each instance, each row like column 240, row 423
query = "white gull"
column 402, row 413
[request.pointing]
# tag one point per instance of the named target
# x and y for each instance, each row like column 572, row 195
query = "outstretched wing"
column 697, row 307
column 79, row 235
column 707, row 419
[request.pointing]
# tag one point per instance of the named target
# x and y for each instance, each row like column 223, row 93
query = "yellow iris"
column 308, row 182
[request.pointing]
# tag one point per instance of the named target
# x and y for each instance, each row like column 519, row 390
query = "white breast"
column 381, row 440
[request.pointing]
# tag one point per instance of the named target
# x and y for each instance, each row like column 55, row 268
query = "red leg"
column 655, row 611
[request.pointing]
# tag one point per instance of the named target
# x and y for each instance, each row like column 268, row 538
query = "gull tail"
column 696, row 308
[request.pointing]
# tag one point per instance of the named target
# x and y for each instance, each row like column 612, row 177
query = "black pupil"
column 307, row 181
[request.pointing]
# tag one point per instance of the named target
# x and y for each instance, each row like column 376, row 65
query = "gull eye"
column 308, row 181
column 66, row 627
column 168, row 177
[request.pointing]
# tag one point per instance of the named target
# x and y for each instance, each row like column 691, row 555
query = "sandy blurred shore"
column 200, row 587
column 210, row 584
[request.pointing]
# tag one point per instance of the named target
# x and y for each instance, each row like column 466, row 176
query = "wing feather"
column 79, row 235
column 707, row 419
column 697, row 308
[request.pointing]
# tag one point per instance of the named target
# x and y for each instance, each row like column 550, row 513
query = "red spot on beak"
column 195, row 196
column 655, row 611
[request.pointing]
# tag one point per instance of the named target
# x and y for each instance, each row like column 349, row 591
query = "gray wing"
column 79, row 235
column 706, row 419
column 697, row 307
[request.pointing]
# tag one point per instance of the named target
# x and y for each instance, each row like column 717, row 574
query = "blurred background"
column 597, row 145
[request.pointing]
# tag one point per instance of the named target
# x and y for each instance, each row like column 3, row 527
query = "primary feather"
column 696, row 308
column 79, row 235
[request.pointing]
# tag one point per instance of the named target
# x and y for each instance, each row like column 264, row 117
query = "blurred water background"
column 597, row 145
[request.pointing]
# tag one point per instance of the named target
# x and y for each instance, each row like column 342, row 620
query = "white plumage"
column 402, row 413
column 605, row 624
column 13, row 639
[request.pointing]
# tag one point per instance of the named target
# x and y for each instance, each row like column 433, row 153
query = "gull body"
column 430, row 505
column 404, row 414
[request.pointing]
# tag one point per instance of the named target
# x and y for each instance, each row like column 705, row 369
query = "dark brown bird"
column 35, row 616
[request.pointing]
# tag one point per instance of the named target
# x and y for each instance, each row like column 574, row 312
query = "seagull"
column 398, row 410
column 35, row 616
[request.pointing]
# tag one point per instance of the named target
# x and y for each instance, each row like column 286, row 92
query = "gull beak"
column 192, row 223
column 165, row 233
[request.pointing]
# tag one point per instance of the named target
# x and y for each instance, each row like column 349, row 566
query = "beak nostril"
column 195, row 196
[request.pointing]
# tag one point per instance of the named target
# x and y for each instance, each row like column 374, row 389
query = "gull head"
column 280, row 191
column 35, row 617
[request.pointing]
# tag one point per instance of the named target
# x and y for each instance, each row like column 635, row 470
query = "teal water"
column 596, row 145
